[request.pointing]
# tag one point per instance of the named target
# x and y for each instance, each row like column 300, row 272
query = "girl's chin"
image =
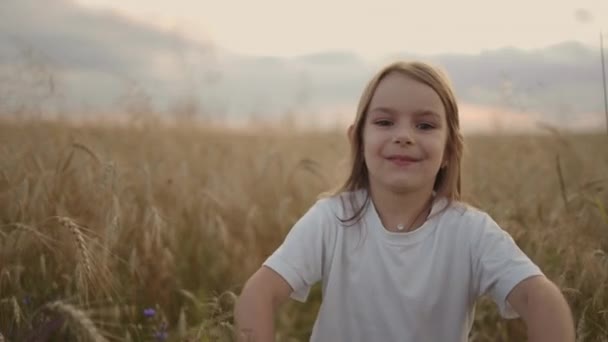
column 403, row 186
column 406, row 185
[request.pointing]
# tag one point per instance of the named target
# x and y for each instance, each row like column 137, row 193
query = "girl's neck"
column 402, row 212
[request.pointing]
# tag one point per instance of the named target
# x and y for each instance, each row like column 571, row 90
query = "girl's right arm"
column 257, row 305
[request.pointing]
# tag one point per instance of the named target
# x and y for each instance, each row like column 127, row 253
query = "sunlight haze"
column 513, row 63
column 370, row 28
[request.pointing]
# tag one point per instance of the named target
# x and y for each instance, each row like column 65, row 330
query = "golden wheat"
column 79, row 319
column 78, row 235
column 177, row 218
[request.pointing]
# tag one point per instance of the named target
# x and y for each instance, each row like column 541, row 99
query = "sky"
column 371, row 28
column 512, row 63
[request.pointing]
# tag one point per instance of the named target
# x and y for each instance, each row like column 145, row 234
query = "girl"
column 399, row 256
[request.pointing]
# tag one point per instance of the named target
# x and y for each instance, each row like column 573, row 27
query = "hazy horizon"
column 93, row 56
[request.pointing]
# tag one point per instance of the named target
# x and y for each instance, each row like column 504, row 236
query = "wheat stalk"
column 581, row 326
column 79, row 318
column 16, row 310
column 604, row 78
column 562, row 183
column 80, row 244
column 88, row 151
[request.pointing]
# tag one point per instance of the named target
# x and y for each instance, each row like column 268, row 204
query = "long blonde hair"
column 447, row 182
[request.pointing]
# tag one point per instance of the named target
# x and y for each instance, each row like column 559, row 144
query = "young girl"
column 399, row 256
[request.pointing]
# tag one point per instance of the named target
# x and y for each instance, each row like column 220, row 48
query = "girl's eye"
column 425, row 126
column 383, row 122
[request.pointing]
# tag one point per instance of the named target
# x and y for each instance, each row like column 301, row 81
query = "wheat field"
column 147, row 232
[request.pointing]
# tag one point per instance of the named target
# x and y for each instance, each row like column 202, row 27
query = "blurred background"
column 154, row 153
column 515, row 64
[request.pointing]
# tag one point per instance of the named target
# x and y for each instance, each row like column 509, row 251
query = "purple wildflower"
column 149, row 312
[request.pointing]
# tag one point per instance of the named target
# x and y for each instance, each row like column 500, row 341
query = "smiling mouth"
column 402, row 161
column 403, row 158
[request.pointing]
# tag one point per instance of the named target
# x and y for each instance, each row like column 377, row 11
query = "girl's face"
column 404, row 135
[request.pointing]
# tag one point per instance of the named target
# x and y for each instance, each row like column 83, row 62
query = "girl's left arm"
column 544, row 309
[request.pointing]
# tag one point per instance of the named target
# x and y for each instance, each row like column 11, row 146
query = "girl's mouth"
column 402, row 160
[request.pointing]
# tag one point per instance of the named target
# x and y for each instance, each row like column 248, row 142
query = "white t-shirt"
column 414, row 286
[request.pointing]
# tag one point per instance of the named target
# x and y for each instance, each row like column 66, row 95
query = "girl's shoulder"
column 470, row 218
column 461, row 210
column 346, row 201
column 343, row 204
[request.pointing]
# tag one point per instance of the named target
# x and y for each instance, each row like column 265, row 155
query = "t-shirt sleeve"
column 500, row 265
column 299, row 259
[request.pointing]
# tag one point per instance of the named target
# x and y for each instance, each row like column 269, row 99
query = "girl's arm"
column 544, row 309
column 255, row 308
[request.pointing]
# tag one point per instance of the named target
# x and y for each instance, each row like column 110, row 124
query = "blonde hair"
column 447, row 182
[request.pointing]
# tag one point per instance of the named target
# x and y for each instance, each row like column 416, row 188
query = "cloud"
column 95, row 53
column 91, row 59
column 554, row 84
column 78, row 38
column 558, row 81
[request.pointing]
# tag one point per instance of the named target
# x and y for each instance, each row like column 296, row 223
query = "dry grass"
column 145, row 233
column 86, row 329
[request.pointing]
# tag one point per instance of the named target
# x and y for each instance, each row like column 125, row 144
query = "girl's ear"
column 351, row 133
column 444, row 163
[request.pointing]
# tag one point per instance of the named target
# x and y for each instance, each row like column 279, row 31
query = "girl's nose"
column 403, row 138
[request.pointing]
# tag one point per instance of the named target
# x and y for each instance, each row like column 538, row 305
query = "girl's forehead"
column 406, row 104
column 397, row 90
